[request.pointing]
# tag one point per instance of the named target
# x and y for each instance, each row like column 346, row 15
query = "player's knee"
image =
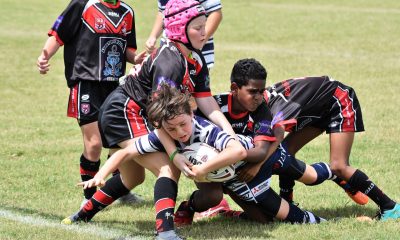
column 338, row 168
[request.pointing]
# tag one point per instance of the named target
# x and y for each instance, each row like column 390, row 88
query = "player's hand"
column 94, row 182
column 43, row 62
column 140, row 57
column 151, row 44
column 183, row 165
column 248, row 172
column 200, row 176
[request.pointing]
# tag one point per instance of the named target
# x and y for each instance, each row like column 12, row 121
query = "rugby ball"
column 199, row 153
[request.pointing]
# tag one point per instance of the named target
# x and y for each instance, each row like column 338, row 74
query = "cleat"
column 223, row 206
column 168, row 235
column 74, row 218
column 184, row 215
column 390, row 214
column 232, row 214
column 313, row 219
column 83, row 203
column 130, row 198
column 357, row 196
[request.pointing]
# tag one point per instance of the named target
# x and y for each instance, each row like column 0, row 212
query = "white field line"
column 81, row 229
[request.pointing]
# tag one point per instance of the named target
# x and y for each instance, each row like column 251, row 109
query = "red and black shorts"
column 86, row 98
column 120, row 119
column 343, row 114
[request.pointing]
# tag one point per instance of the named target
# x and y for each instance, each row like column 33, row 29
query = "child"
column 322, row 104
column 171, row 110
column 123, row 116
column 214, row 17
column 96, row 49
column 249, row 115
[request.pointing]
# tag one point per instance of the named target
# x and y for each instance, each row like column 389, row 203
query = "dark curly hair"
column 167, row 103
column 246, row 69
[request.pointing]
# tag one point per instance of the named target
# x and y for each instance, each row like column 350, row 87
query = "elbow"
column 241, row 153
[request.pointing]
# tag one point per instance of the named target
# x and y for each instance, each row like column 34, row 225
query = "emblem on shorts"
column 85, row 108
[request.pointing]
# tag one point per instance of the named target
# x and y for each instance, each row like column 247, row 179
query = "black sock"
column 286, row 185
column 361, row 182
column 87, row 170
column 165, row 192
column 296, row 215
column 112, row 190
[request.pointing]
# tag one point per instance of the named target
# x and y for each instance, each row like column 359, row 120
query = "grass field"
column 356, row 42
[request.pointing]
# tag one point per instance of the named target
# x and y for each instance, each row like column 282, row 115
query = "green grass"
column 355, row 42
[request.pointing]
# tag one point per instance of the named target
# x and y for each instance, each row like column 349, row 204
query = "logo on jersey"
column 163, row 80
column 113, row 14
column 85, row 97
column 57, row 22
column 99, row 24
column 277, row 118
column 112, row 53
column 263, row 127
column 85, row 108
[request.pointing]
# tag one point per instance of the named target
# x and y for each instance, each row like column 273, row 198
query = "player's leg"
column 294, row 142
column 90, row 158
column 207, row 200
column 165, row 190
column 341, row 144
column 132, row 174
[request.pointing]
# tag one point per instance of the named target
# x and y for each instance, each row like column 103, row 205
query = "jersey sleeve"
column 202, row 78
column 131, row 36
column 149, row 143
column 161, row 5
column 211, row 5
column 68, row 23
column 263, row 124
column 218, row 138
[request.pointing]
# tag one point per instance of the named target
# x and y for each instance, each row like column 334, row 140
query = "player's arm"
column 155, row 33
column 50, row 48
column 112, row 164
column 180, row 161
column 209, row 107
column 232, row 153
column 212, row 23
column 134, row 58
column 257, row 156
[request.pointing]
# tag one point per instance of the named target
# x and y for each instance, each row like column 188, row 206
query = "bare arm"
column 155, row 33
column 250, row 170
column 50, row 48
column 179, row 160
column 133, row 58
column 213, row 21
column 110, row 166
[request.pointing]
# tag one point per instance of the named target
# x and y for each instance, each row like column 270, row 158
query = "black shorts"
column 120, row 119
column 86, row 98
column 343, row 114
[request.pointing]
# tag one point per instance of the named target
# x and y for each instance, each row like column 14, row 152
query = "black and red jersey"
column 257, row 124
column 297, row 97
column 95, row 36
column 169, row 66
